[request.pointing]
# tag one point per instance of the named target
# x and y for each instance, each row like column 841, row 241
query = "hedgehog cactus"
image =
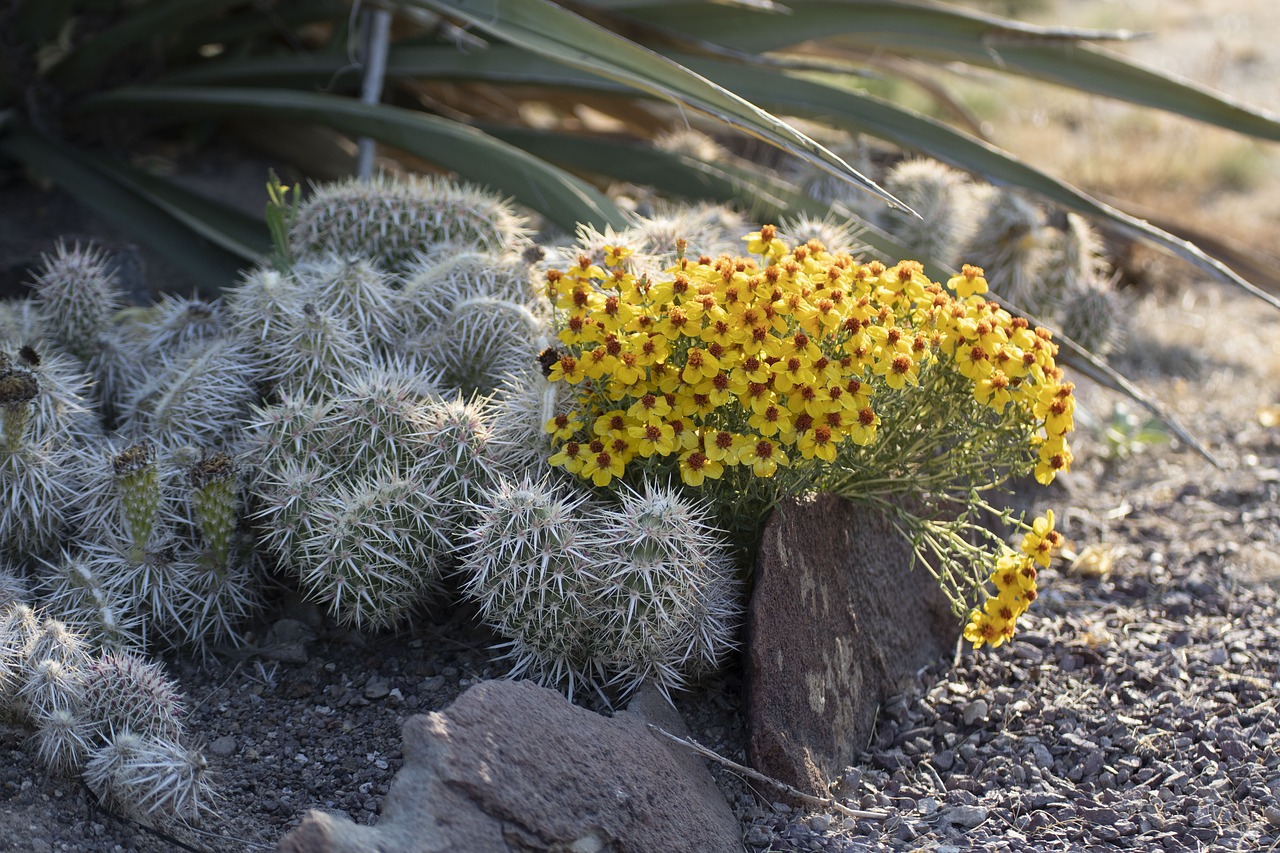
column 1092, row 314
column 137, row 490
column 1011, row 245
column 76, row 291
column 939, row 194
column 392, row 221
column 601, row 595
column 362, row 493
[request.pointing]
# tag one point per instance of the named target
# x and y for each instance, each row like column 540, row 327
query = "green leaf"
column 543, row 28
column 941, row 35
column 158, row 18
column 475, row 156
column 212, row 266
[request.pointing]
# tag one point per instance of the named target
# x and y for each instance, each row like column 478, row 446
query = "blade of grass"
column 470, row 153
column 551, row 31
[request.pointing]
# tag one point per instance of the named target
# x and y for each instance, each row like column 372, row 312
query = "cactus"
column 603, row 596
column 940, row 196
column 114, row 717
column 1011, row 245
column 831, row 232
column 362, row 493
column 37, row 453
column 524, row 403
column 77, row 294
column 174, row 323
column 393, row 221
column 1092, row 314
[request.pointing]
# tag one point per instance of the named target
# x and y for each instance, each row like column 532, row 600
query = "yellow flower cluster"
column 737, row 362
column 1015, row 581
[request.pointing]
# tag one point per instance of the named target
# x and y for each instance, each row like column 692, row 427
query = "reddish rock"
column 511, row 766
column 835, row 625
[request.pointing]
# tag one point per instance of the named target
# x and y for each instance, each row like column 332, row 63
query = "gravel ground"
column 1137, row 709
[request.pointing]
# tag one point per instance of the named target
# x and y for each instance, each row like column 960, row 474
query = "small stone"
column 1272, row 814
column 377, row 687
column 223, row 746
column 1044, row 758
column 974, row 711
column 927, row 806
column 943, row 760
column 1093, row 762
column 965, row 816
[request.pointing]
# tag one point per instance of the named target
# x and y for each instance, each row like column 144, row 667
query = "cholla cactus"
column 392, row 221
column 600, row 595
column 942, row 197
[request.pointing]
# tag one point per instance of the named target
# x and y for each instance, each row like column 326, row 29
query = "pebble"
column 974, row 711
column 966, row 816
column 223, row 747
column 377, row 687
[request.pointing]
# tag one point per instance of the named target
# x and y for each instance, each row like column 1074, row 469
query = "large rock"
column 835, row 625
column 511, row 766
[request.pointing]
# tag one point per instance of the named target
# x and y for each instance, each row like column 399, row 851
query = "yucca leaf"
column 475, row 156
column 84, row 66
column 945, row 34
column 548, row 30
column 208, row 263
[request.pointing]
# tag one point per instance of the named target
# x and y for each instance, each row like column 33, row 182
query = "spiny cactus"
column 830, row 231
column 175, row 323
column 392, row 221
column 600, row 595
column 77, row 294
column 361, row 493
column 524, row 403
column 37, row 451
column 1092, row 314
column 1011, row 245
column 355, row 290
column 114, row 717
column 941, row 197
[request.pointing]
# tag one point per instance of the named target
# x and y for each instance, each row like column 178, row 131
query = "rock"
column 511, row 766
column 377, row 688
column 224, row 746
column 836, row 624
column 975, row 711
column 966, row 817
column 286, row 641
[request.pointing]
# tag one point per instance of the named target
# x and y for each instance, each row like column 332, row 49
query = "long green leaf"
column 212, row 266
column 239, row 233
column 543, row 28
column 83, row 67
column 946, row 34
column 475, row 156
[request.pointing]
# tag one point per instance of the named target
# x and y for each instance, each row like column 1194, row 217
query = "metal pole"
column 376, row 28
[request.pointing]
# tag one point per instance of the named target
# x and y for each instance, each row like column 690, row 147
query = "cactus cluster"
column 112, row 717
column 365, row 421
column 601, row 594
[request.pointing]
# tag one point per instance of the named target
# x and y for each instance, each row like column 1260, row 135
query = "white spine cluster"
column 940, row 196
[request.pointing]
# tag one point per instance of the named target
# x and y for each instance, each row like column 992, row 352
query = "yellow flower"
column 1042, row 539
column 862, row 431
column 568, row 369
column 615, row 255
column 653, row 439
column 766, row 242
column 898, row 370
column 969, row 282
column 562, row 427
column 695, row 467
column 568, row 457
column 699, row 364
column 1054, row 456
column 650, row 408
column 818, row 443
column 993, row 390
column 771, row 420
column 764, row 457
column 723, row 446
